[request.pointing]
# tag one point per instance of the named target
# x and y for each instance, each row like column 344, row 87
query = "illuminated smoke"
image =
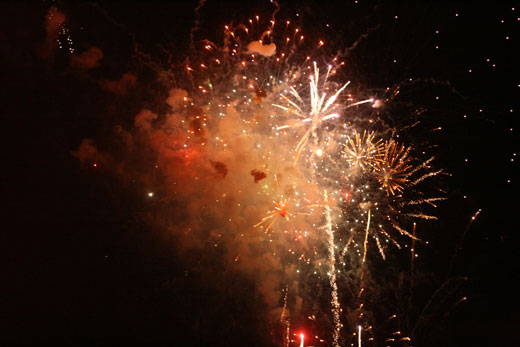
column 261, row 154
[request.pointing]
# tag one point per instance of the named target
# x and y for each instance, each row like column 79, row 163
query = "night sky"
column 86, row 256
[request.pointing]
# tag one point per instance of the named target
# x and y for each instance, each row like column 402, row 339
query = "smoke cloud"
column 87, row 60
column 265, row 50
column 211, row 169
column 120, row 87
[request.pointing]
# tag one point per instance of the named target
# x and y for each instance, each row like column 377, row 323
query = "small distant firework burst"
column 361, row 151
column 329, row 185
column 63, row 38
column 282, row 210
column 393, row 170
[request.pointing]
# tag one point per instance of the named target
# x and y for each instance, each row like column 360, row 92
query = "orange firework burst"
column 280, row 208
column 394, row 168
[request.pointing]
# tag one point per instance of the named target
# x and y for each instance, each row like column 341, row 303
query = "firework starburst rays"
column 362, row 151
column 395, row 168
column 281, row 208
column 319, row 109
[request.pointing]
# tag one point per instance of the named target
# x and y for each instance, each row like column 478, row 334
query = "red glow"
column 94, row 165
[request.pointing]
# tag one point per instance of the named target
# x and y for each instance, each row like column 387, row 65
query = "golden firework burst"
column 362, row 151
column 394, row 168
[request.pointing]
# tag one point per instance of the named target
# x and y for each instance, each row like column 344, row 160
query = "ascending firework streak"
column 332, row 277
column 366, row 239
column 284, row 319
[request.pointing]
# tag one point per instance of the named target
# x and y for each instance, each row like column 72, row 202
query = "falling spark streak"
column 420, row 215
column 391, row 239
column 359, row 335
column 366, row 238
column 467, row 228
column 345, row 249
column 333, row 284
column 360, row 102
column 455, row 305
column 422, row 166
column 461, row 241
column 379, row 247
column 403, row 232
column 430, row 174
column 428, row 201
column 301, row 337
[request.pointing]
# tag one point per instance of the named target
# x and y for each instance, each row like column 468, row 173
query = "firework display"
column 260, row 173
column 270, row 155
column 288, row 145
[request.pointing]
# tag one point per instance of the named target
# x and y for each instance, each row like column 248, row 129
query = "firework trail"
column 284, row 319
column 333, row 284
